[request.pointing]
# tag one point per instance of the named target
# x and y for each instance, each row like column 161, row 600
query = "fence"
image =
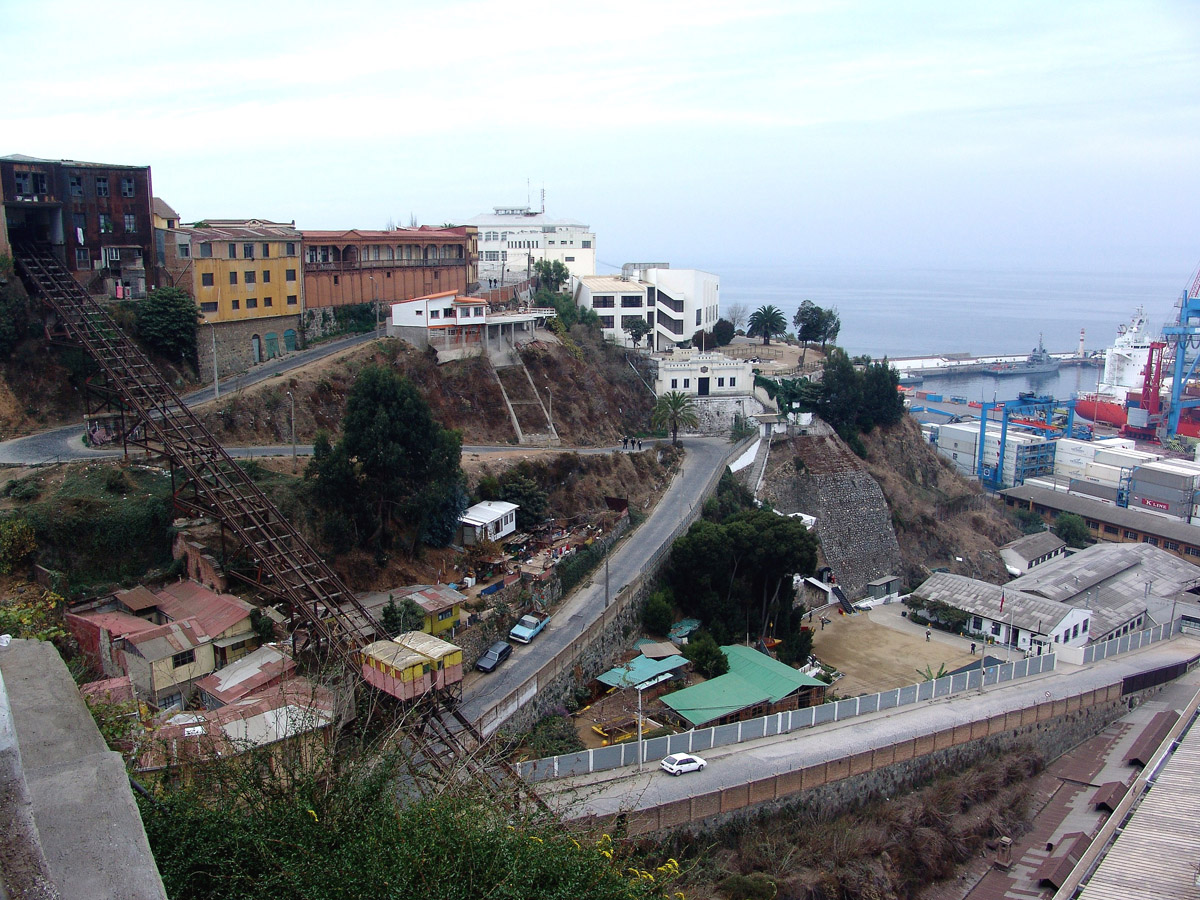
column 696, row 741
column 495, row 715
column 1123, row 644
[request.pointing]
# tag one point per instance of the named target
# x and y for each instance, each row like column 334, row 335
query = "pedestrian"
column 624, row 443
column 927, row 634
column 972, row 648
column 639, row 444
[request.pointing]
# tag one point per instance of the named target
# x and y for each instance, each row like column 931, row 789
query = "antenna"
column 543, row 199
column 526, row 193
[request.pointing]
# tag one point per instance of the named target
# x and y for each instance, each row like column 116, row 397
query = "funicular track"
column 154, row 417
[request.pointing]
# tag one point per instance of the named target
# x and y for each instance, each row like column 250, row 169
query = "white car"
column 679, row 763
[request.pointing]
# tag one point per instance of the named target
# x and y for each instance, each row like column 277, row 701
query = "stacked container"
column 1166, row 487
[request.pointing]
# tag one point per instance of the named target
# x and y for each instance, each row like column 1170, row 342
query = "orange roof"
column 400, row 235
column 215, row 612
column 118, row 624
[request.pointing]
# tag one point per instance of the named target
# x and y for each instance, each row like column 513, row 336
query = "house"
column 755, row 685
column 264, row 668
column 411, row 665
column 441, row 604
column 704, row 374
column 384, row 267
column 676, row 303
column 448, row 321
column 1031, row 550
column 247, row 278
column 1004, row 615
column 224, row 617
column 96, row 216
column 490, row 520
column 513, row 238
column 165, row 661
column 1128, row 587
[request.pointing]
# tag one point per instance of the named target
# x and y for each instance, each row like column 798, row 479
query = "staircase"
column 154, row 417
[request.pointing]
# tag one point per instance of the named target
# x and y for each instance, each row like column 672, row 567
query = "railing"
column 698, row 740
column 1133, row 641
column 360, row 265
column 675, row 326
column 670, row 303
column 495, row 715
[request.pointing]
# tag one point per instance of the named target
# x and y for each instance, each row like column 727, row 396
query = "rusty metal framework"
column 154, row 417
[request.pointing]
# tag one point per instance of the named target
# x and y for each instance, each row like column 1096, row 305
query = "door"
column 255, row 349
column 702, row 387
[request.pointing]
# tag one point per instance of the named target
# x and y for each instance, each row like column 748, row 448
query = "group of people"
column 628, row 443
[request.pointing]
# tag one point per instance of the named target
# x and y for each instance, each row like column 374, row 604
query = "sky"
column 998, row 135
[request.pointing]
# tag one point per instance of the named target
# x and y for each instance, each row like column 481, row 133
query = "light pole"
column 216, row 379
column 292, row 402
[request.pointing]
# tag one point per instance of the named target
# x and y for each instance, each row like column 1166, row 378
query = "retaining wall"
column 1051, row 727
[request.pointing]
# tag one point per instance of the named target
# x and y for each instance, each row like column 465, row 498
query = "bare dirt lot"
column 878, row 657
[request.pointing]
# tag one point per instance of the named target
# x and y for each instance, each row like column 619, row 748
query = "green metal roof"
column 640, row 669
column 752, row 678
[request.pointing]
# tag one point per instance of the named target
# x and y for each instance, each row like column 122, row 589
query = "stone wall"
column 716, row 413
column 234, row 343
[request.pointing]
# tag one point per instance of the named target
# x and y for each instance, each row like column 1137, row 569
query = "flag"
column 1002, row 601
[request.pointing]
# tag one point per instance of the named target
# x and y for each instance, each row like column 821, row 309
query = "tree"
column 393, row 466
column 14, row 311
column 809, row 322
column 831, row 325
column 519, row 485
column 674, row 409
column 658, row 615
column 767, row 321
column 722, row 333
column 882, row 403
column 551, row 274
column 166, row 322
column 736, row 314
column 1072, row 529
column 841, row 391
column 398, row 618
column 637, row 327
column 704, row 654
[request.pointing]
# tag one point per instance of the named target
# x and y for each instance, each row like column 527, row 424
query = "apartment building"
column 676, row 303
column 513, row 238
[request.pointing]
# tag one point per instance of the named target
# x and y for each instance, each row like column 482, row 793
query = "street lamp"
column 292, row 402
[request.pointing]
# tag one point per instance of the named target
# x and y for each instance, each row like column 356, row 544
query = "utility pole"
column 292, row 401
column 216, row 378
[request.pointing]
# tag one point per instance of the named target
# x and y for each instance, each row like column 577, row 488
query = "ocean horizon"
column 902, row 312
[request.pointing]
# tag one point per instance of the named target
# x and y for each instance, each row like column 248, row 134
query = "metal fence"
column 1126, row 642
column 495, row 715
column 699, row 740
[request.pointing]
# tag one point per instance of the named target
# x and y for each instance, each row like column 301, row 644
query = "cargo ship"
column 1039, row 362
column 1124, row 371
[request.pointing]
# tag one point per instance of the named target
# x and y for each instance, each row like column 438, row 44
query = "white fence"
column 1123, row 644
column 699, row 740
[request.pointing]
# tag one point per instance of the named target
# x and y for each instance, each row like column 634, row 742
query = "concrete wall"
column 715, row 414
column 234, row 344
column 1052, row 728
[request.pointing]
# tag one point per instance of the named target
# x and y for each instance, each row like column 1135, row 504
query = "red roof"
column 216, row 612
column 118, row 624
column 112, row 690
column 162, row 641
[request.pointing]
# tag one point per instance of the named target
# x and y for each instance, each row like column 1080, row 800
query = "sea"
column 899, row 312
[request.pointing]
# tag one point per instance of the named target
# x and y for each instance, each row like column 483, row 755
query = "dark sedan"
column 493, row 656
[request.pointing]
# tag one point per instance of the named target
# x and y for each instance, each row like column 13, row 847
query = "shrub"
column 658, row 616
column 17, row 544
column 748, row 887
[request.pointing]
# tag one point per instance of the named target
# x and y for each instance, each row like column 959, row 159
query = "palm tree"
column 672, row 410
column 767, row 320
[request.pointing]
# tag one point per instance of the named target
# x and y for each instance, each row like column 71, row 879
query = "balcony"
column 675, row 326
column 372, row 264
column 670, row 303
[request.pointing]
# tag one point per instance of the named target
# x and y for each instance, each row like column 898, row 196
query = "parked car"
column 529, row 627
column 493, row 656
column 678, row 763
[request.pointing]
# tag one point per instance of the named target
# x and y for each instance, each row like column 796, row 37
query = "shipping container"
column 1165, row 475
column 1091, row 489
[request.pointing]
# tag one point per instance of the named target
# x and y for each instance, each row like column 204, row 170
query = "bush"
column 707, row 658
column 748, row 887
column 658, row 616
column 166, row 322
column 17, row 544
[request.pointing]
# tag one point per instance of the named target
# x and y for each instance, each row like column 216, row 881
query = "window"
column 1130, row 535
column 1111, row 529
column 631, row 302
column 720, row 382
column 106, row 225
column 75, row 184
column 449, row 313
column 604, row 301
column 570, row 259
column 977, row 623
column 184, row 250
column 208, row 308
column 102, row 186
column 1066, row 636
column 697, row 317
column 267, row 301
column 24, row 181
column 250, row 277
column 491, row 256
column 291, row 249
column 82, row 259
column 206, row 251
column 1075, row 631
column 674, row 383
column 233, row 251
column 127, row 187
column 1191, row 551
column 1152, row 541
column 266, row 251
column 251, row 303
column 1093, row 524
column 445, row 614
column 335, row 279
column 292, row 300
column 247, row 251
column 433, row 314
column 606, row 321
column 186, row 658
column 130, row 223
column 479, row 312
column 233, row 277
column 733, row 382
column 290, row 275
column 587, row 245
column 1085, row 626
column 419, row 312
column 80, row 222
column 206, row 279
column 1170, row 545
column 687, row 383
column 996, row 629
column 266, row 276
column 237, row 304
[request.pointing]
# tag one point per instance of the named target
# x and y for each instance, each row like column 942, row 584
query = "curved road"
column 704, row 456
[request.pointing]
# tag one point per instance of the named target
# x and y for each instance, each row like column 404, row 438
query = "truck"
column 529, row 627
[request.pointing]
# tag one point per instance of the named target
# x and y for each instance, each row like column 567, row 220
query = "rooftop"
column 639, row 670
column 1110, row 574
column 240, row 230
column 487, row 511
column 73, row 163
column 1171, row 529
column 246, row 675
column 1026, row 611
column 423, row 233
column 1031, row 546
column 216, row 612
column 162, row 641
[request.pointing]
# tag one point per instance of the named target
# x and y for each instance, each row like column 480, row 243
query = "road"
column 65, row 444
column 627, row 561
column 618, row 790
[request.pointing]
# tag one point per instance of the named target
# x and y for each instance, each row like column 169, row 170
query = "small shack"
column 412, row 665
column 491, row 520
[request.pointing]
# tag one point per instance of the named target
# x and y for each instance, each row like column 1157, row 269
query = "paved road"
column 626, row 562
column 619, row 790
column 66, row 443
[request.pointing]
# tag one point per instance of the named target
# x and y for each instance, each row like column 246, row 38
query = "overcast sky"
column 1012, row 134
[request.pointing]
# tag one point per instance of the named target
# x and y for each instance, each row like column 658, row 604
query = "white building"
column 447, row 321
column 675, row 302
column 491, row 520
column 703, row 374
column 1031, row 551
column 513, row 238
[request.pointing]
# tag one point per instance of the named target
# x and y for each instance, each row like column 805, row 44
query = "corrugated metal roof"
column 1156, row 854
column 167, row 640
column 1025, row 611
column 639, row 670
column 1125, row 569
column 426, row 644
column 1159, row 526
column 752, row 678
column 487, row 511
column 1031, row 546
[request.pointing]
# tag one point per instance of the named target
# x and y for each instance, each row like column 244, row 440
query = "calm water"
column 916, row 312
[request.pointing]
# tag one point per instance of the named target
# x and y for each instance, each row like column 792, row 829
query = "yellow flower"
column 314, row 815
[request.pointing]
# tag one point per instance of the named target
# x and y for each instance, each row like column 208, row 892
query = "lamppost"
column 216, row 379
column 292, row 403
